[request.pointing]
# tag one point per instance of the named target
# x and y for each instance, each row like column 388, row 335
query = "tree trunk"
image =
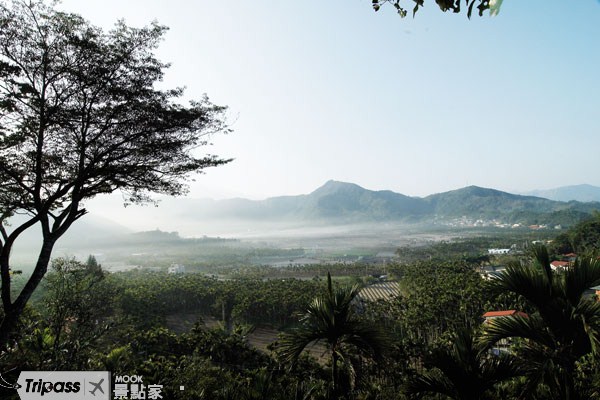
column 14, row 310
column 569, row 390
column 334, row 373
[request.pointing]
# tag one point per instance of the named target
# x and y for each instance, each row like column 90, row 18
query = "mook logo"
column 132, row 387
column 64, row 385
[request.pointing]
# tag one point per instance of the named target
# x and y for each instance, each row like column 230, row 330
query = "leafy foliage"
column 445, row 5
column 565, row 325
column 332, row 318
column 463, row 371
column 148, row 298
column 80, row 116
column 431, row 344
column 581, row 238
column 438, row 298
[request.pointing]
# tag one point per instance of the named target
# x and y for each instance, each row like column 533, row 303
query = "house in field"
column 490, row 271
column 498, row 251
column 503, row 346
column 558, row 265
column 384, row 290
column 176, row 269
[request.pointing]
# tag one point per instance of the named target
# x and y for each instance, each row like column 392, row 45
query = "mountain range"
column 346, row 203
column 333, row 204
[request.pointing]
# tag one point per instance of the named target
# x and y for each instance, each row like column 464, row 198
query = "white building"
column 176, row 269
column 498, row 251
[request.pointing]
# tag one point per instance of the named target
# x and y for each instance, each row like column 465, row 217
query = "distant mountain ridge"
column 490, row 202
column 345, row 203
column 581, row 193
column 332, row 201
column 335, row 203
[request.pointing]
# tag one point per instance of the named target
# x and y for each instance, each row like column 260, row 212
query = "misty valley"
column 265, row 303
column 217, row 314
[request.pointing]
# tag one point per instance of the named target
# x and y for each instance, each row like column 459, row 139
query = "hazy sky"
column 321, row 90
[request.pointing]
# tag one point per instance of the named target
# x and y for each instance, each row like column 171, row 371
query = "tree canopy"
column 81, row 115
column 445, row 5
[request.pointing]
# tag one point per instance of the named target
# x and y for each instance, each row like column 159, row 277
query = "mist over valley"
column 337, row 222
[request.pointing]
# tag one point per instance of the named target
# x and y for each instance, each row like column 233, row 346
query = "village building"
column 176, row 269
column 498, row 251
column 503, row 346
column 490, row 271
column 557, row 265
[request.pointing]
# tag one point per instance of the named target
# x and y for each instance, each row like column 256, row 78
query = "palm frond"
column 499, row 368
column 464, row 370
column 584, row 274
column 542, row 258
column 565, row 326
column 525, row 281
column 532, row 327
column 369, row 340
column 330, row 318
column 587, row 313
column 430, row 382
column 294, row 343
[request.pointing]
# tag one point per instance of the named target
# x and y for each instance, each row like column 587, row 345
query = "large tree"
column 81, row 115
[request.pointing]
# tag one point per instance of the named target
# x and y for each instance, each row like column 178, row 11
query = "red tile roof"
column 560, row 263
column 507, row 313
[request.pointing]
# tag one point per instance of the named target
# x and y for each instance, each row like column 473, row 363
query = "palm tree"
column 464, row 371
column 564, row 327
column 332, row 319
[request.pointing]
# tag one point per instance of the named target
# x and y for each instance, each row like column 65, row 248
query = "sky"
column 333, row 90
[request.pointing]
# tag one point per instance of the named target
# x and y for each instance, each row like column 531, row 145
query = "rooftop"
column 505, row 313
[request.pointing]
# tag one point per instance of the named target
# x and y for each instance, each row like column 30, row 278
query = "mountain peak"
column 351, row 202
column 480, row 191
column 332, row 186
